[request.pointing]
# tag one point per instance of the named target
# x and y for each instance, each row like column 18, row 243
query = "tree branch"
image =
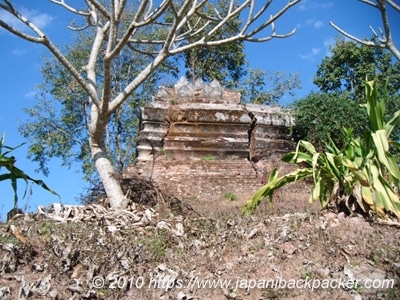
column 364, row 42
column 97, row 5
column 42, row 39
column 394, row 5
column 11, row 10
column 386, row 40
column 70, row 8
column 20, row 34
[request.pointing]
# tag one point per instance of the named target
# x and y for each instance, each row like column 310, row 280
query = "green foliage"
column 15, row 173
column 268, row 88
column 364, row 175
column 231, row 196
column 320, row 115
column 157, row 243
column 349, row 62
column 225, row 63
column 339, row 79
column 163, row 151
column 46, row 229
column 208, row 158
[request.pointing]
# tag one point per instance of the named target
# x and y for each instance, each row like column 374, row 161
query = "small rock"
column 36, row 268
column 230, row 223
column 5, row 292
column 289, row 248
column 179, row 229
column 252, row 233
column 112, row 228
column 53, row 294
column 163, row 225
column 162, row 267
column 76, row 289
column 323, row 225
column 181, row 296
column 285, row 232
column 125, row 263
column 323, row 273
column 368, row 276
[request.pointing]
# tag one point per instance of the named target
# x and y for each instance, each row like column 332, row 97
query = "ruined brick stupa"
column 198, row 140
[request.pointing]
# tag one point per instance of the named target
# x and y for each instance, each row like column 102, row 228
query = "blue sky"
column 20, row 72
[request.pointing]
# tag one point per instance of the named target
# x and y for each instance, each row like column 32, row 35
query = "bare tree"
column 177, row 21
column 384, row 38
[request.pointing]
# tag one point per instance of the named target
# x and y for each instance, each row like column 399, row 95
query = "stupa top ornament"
column 198, row 88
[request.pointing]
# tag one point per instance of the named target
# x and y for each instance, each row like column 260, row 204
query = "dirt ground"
column 192, row 249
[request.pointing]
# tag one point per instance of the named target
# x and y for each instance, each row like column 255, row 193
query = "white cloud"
column 318, row 24
column 18, row 51
column 41, row 20
column 310, row 55
column 310, row 21
column 328, row 44
column 303, row 5
column 315, row 51
column 307, row 5
column 30, row 95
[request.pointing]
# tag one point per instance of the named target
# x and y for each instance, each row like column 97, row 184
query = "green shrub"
column 14, row 173
column 231, row 196
column 362, row 176
column 208, row 158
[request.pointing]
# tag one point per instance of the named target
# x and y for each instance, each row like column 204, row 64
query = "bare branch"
column 112, row 36
column 70, row 8
column 97, row 5
column 11, row 10
column 369, row 2
column 66, row 63
column 20, row 34
column 150, row 18
column 120, row 10
column 42, row 39
column 271, row 20
column 394, row 5
column 385, row 39
column 364, row 42
column 79, row 28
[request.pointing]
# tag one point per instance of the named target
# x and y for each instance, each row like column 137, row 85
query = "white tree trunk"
column 107, row 175
column 101, row 160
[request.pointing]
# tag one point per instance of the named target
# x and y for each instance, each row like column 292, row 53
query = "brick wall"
column 196, row 145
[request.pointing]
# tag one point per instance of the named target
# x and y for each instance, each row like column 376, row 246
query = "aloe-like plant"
column 363, row 175
column 14, row 173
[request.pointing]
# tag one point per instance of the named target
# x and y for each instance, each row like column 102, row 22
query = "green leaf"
column 274, row 183
column 391, row 124
column 332, row 167
column 15, row 173
column 382, row 148
column 308, row 146
column 316, row 192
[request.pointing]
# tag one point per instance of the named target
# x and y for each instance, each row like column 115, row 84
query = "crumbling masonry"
column 198, row 140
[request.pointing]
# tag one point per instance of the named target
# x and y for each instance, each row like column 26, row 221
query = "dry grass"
column 294, row 242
